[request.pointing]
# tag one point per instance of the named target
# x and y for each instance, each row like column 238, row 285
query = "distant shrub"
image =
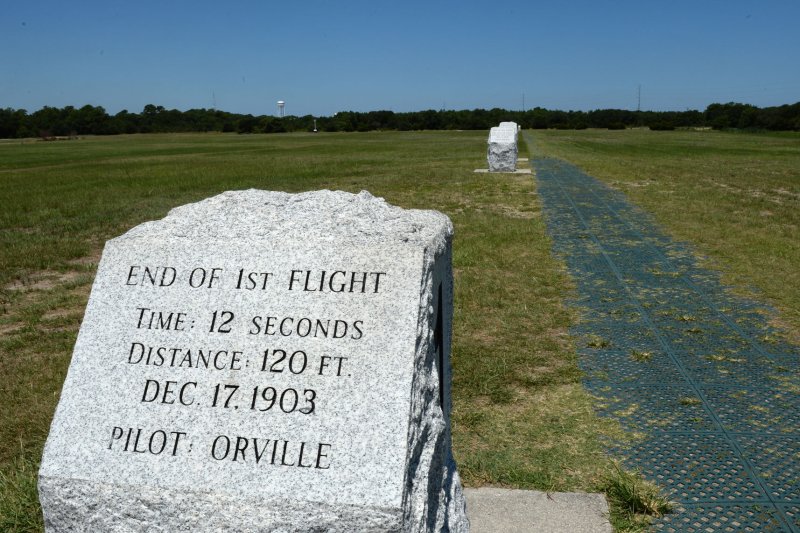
column 616, row 126
column 662, row 126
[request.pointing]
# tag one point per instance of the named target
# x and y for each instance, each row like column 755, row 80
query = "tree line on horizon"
column 52, row 122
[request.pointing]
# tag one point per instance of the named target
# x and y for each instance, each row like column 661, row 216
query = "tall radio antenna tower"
column 639, row 99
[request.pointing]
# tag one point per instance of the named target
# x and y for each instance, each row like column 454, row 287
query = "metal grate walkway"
column 680, row 360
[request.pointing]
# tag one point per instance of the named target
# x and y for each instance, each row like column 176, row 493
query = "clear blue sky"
column 323, row 57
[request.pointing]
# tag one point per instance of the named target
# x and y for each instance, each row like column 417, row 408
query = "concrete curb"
column 518, row 171
column 493, row 510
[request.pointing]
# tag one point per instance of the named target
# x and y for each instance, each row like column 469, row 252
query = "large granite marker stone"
column 502, row 151
column 261, row 361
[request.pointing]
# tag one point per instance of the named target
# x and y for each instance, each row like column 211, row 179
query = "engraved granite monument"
column 502, row 148
column 262, row 361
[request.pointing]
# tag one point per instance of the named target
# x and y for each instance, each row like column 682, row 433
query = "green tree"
column 12, row 122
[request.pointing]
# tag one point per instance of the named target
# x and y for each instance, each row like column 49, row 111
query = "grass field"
column 520, row 416
column 735, row 196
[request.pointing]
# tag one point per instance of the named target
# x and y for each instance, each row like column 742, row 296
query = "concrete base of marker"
column 518, row 171
column 493, row 510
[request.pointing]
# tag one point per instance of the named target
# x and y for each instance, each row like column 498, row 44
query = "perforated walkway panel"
column 678, row 358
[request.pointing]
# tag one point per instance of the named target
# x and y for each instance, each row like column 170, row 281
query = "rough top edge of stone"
column 315, row 215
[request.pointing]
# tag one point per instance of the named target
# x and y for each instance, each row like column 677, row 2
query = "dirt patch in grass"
column 43, row 281
column 7, row 329
column 89, row 261
column 511, row 212
column 57, row 314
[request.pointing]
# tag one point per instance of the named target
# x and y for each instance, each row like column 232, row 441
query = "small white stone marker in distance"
column 501, row 154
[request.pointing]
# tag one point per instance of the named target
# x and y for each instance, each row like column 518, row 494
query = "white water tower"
column 281, row 105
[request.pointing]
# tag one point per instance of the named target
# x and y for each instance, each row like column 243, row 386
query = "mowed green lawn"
column 735, row 196
column 520, row 416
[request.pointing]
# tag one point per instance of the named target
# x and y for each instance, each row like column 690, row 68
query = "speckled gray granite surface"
column 262, row 361
column 502, row 150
